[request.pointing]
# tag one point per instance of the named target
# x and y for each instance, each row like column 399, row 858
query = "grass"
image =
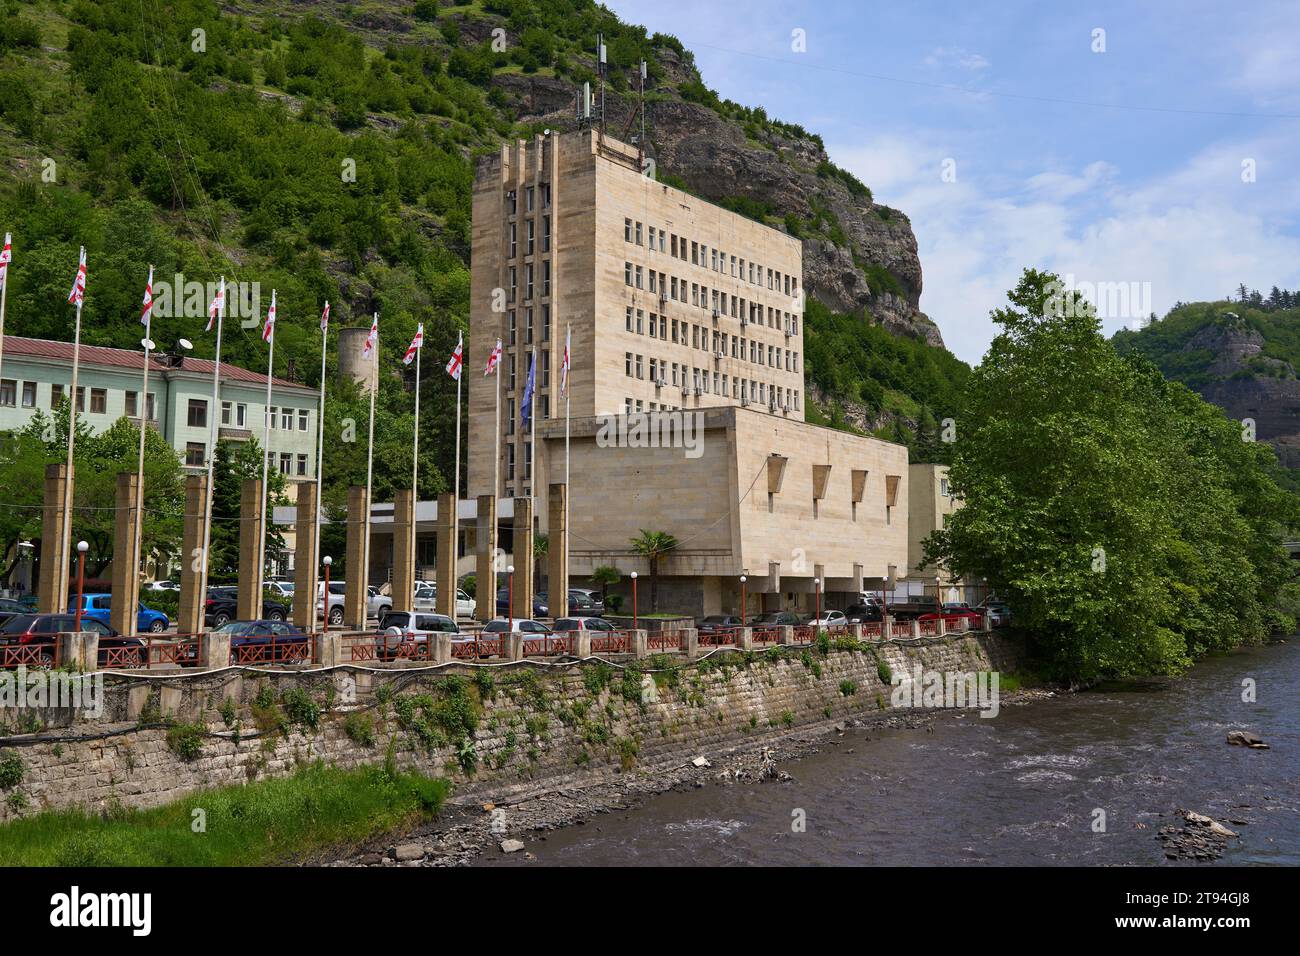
column 263, row 823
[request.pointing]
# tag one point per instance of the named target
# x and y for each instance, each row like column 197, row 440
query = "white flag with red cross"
column 457, row 359
column 417, row 343
column 494, row 360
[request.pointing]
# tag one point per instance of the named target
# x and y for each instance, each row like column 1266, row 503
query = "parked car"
column 282, row 588
column 222, row 607
column 9, row 606
column 718, row 622
column 540, row 608
column 595, row 597
column 267, row 640
column 579, row 605
column 377, row 605
column 426, row 599
column 957, row 613
column 829, row 618
column 403, row 627
column 523, row 625
column 862, row 613
column 39, row 630
column 164, row 586
column 583, row 624
column 913, row 608
column 99, row 607
column 776, row 618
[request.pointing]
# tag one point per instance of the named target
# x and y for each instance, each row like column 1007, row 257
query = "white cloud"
column 941, row 57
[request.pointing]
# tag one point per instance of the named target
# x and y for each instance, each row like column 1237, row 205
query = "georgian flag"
column 493, row 360
column 146, row 310
column 371, row 339
column 564, row 364
column 217, row 307
column 78, row 293
column 6, row 256
column 417, row 343
column 269, row 329
column 325, row 317
column 457, row 359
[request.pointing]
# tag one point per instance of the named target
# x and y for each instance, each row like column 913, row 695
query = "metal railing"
column 286, row 649
column 611, row 642
column 663, row 641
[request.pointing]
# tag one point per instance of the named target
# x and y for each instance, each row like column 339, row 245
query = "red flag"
column 147, row 308
column 417, row 343
column 217, row 307
column 457, row 357
column 269, row 329
column 325, row 317
column 78, row 293
column 564, row 365
column 371, row 339
column 6, row 256
column 494, row 359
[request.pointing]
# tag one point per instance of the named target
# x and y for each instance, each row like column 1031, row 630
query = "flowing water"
column 1021, row 788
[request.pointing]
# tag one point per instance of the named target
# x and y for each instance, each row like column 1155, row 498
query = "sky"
column 1155, row 160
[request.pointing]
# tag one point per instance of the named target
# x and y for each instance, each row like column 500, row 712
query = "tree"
column 653, row 545
column 235, row 463
column 1125, row 519
column 604, row 575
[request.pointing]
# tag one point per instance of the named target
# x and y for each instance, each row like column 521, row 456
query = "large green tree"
column 1129, row 523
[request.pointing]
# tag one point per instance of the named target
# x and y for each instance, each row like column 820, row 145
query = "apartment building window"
column 653, row 281
column 528, row 240
column 56, row 395
column 627, row 364
column 640, row 277
column 286, row 418
column 546, row 195
column 654, row 325
column 546, row 277
column 627, row 230
column 510, row 328
column 98, row 401
column 674, row 331
column 510, row 385
column 29, row 394
column 510, row 416
column 8, row 392
column 302, row 466
column 627, row 273
column 652, row 238
column 303, row 417
column 638, row 234
column 528, row 325
column 546, row 323
column 546, row 370
column 528, row 461
column 545, row 405
column 629, row 318
column 673, row 245
column 194, row 453
column 529, row 199
column 510, row 462
column 640, row 321
column 654, row 369
column 943, row 487
column 514, row 283
column 675, row 382
column 528, row 281
column 197, row 416
column 546, row 234
column 662, row 245
column 286, row 463
column 639, row 369
column 695, row 253
column 514, row 241
column 512, row 203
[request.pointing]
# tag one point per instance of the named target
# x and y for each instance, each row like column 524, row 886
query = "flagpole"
column 364, row 570
column 266, row 459
column 496, row 461
column 4, row 293
column 568, row 387
column 320, row 459
column 532, row 440
column 415, row 459
column 460, row 347
column 212, row 444
column 144, row 415
column 61, row 599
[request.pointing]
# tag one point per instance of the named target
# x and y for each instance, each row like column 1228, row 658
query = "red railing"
column 476, row 647
column 872, row 631
column 128, row 657
column 290, row 649
column 805, row 633
column 548, row 645
column 928, row 628
column 611, row 642
column 40, row 653
column 179, row 650
column 664, row 641
column 838, row 630
column 722, row 637
column 765, row 635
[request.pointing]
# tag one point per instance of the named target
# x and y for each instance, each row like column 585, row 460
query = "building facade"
column 930, row 502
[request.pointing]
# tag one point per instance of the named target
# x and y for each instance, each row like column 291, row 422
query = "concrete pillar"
column 745, row 638
column 216, row 650
column 78, row 650
column 53, row 590
column 785, row 634
column 855, row 631
column 248, row 606
column 126, row 561
column 523, row 557
column 941, row 627
column 512, row 646
column 485, row 572
column 355, row 597
column 690, row 642
column 915, row 630
column 638, row 643
column 404, row 550
column 557, row 554
column 441, row 648
column 445, row 575
column 190, row 616
column 581, row 639
column 306, row 563
column 329, row 648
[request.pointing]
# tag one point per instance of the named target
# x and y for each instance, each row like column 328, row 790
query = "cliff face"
column 719, row 159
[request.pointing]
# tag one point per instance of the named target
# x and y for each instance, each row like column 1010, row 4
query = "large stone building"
column 691, row 315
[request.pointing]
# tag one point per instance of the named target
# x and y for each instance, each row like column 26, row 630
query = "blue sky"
column 1152, row 194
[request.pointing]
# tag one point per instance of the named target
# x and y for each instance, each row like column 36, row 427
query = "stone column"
column 249, row 603
column 523, row 557
column 557, row 554
column 404, row 550
column 745, row 638
column 638, row 642
column 441, row 648
column 216, row 650
column 445, row 575
column 690, row 643
column 855, row 631
column 581, row 638
column 190, row 616
column 512, row 646
column 78, row 650
column 915, row 629
column 126, row 567
column 52, row 594
column 785, row 634
column 328, row 649
column 485, row 572
column 306, row 562
column 356, row 598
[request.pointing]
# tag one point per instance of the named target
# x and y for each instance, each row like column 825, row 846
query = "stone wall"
column 536, row 727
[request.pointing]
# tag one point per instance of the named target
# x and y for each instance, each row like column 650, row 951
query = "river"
column 1020, row 788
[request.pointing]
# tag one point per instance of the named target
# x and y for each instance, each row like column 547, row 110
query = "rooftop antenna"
column 639, row 112
column 601, row 68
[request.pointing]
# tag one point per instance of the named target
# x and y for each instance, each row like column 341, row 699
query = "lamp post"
column 325, row 598
column 634, row 618
column 82, row 548
column 510, row 597
column 742, row 600
column 817, row 589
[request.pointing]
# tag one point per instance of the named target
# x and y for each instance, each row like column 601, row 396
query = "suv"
column 403, row 627
column 377, row 605
column 99, row 607
column 37, row 631
column 223, row 606
column 426, row 599
column 540, row 608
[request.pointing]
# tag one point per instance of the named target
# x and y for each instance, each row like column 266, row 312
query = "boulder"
column 1242, row 738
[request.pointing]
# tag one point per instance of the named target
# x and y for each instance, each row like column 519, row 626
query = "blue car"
column 98, row 606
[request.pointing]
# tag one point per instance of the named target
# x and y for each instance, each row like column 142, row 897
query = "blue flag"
column 526, row 409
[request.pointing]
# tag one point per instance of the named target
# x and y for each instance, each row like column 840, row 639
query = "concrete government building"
column 675, row 305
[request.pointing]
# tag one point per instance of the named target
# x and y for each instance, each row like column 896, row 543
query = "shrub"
column 11, row 769
column 848, row 688
column 186, row 741
column 360, row 729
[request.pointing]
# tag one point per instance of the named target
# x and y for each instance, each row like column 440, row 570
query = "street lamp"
column 82, row 548
column 742, row 600
column 325, row 598
column 817, row 588
column 510, row 598
column 634, row 619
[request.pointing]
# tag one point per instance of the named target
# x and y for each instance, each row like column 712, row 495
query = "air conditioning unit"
column 787, row 331
column 663, row 299
column 719, row 354
column 715, row 315
column 786, row 408
column 744, row 399
column 742, row 320
column 771, row 403
column 686, row 389
column 698, row 391
column 659, row 382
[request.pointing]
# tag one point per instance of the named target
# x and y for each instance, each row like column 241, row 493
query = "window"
column 528, row 281
column 194, row 453
column 529, row 199
column 56, row 395
column 528, row 242
column 512, row 203
column 546, row 323
column 638, row 234
column 514, row 283
column 272, row 416
column 302, row 466
column 8, row 392
column 29, row 394
column 510, row 329
column 303, row 417
column 627, row 364
column 227, row 408
column 627, row 230
column 528, row 326
column 198, row 413
column 510, row 416
column 546, row 277
column 514, row 241
column 286, row 420
column 943, row 487
column 546, row 234
column 99, row 400
column 627, row 273
column 286, row 463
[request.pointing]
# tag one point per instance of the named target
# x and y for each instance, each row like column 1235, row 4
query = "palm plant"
column 653, row 545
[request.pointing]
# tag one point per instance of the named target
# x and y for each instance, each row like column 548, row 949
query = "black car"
column 266, row 642
column 718, row 622
column 862, row 613
column 222, row 607
column 29, row 639
column 503, row 604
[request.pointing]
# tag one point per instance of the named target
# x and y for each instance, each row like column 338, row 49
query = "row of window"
column 531, row 197
column 544, row 334
column 714, row 341
column 664, row 374
column 714, row 259
column 710, row 300
column 530, row 237
column 529, row 285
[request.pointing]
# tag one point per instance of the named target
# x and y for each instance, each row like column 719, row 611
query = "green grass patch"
column 262, row 823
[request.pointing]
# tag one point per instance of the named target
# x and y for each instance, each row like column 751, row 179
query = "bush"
column 186, row 741
column 11, row 769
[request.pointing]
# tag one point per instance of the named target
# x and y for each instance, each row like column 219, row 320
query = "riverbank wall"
column 497, row 730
